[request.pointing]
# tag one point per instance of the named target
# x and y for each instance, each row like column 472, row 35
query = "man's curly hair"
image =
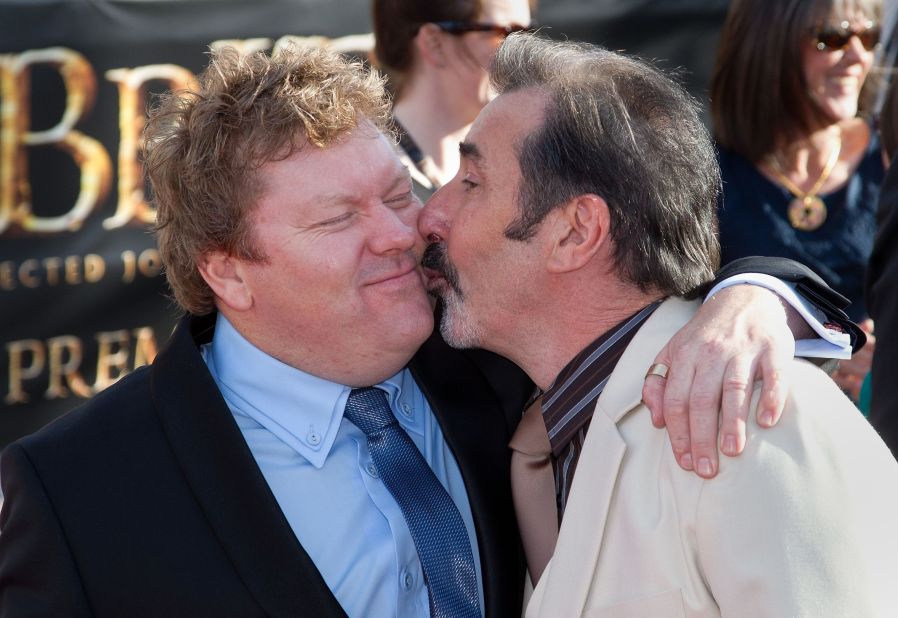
column 203, row 148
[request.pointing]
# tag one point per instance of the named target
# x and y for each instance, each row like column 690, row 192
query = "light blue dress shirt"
column 320, row 471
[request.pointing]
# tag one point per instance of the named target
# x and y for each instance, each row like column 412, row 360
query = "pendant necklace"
column 806, row 211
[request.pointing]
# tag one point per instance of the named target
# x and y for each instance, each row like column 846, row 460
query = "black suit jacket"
column 882, row 302
column 146, row 501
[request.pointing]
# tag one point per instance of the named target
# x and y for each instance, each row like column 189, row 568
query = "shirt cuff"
column 830, row 343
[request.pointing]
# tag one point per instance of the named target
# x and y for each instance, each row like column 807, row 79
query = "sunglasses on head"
column 834, row 39
column 460, row 27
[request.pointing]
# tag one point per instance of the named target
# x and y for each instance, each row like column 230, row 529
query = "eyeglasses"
column 835, row 39
column 460, row 27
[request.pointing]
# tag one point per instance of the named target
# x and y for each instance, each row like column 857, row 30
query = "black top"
column 753, row 221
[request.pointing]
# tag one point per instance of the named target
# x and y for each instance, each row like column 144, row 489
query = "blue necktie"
column 432, row 517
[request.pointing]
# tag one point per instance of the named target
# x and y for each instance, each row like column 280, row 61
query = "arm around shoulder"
column 38, row 573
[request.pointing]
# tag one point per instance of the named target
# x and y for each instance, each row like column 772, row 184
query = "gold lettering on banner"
column 132, row 105
column 19, row 371
column 7, row 276
column 129, row 261
column 112, row 358
column 94, row 268
column 26, row 273
column 87, row 153
column 53, row 271
column 59, row 360
column 51, row 267
column 149, row 263
column 65, row 369
column 144, row 347
column 72, row 270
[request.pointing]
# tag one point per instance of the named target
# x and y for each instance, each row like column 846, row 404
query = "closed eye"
column 335, row 221
column 400, row 201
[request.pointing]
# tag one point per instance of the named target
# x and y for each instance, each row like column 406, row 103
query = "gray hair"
column 618, row 128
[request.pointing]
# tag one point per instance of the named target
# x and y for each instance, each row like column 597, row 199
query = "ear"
column 224, row 274
column 430, row 45
column 580, row 228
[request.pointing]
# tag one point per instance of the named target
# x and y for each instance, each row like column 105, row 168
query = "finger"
column 737, row 389
column 676, row 412
column 774, row 389
column 653, row 389
column 704, row 411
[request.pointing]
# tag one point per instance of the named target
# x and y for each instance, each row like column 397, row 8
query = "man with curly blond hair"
column 223, row 480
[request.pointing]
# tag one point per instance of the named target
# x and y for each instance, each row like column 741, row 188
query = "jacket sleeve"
column 38, row 573
column 806, row 281
column 803, row 523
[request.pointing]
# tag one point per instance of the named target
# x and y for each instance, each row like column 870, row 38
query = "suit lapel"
column 228, row 484
column 476, row 433
column 567, row 583
column 567, row 580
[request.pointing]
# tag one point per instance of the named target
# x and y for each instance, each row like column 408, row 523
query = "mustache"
column 436, row 259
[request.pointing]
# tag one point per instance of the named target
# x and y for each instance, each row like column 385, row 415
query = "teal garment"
column 863, row 402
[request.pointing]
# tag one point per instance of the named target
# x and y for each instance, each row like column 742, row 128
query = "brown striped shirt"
column 568, row 404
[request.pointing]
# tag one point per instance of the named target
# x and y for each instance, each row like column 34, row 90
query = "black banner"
column 82, row 299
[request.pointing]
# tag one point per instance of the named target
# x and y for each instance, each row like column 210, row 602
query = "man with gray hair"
column 583, row 209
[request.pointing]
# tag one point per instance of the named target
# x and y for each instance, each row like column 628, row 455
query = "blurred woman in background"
column 801, row 168
column 436, row 56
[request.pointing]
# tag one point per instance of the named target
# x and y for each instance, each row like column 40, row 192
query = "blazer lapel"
column 569, row 576
column 228, row 484
column 568, row 580
column 475, row 430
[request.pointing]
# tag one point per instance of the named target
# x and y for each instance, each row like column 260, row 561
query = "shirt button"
column 372, row 469
column 406, row 409
column 313, row 438
column 406, row 579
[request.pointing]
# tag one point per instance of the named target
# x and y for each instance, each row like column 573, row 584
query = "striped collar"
column 569, row 402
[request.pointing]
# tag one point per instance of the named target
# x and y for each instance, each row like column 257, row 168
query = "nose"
column 395, row 230
column 855, row 51
column 433, row 223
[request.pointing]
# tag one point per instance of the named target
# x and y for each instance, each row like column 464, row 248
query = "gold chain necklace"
column 807, row 211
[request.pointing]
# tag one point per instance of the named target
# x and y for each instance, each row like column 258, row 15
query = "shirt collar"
column 567, row 403
column 301, row 409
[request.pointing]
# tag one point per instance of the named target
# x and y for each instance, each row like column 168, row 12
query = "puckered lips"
column 431, row 267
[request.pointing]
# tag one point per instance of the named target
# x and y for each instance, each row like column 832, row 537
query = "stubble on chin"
column 456, row 327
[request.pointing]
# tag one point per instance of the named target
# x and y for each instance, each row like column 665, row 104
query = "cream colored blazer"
column 804, row 523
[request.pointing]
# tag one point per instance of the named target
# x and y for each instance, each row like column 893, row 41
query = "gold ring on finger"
column 658, row 369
